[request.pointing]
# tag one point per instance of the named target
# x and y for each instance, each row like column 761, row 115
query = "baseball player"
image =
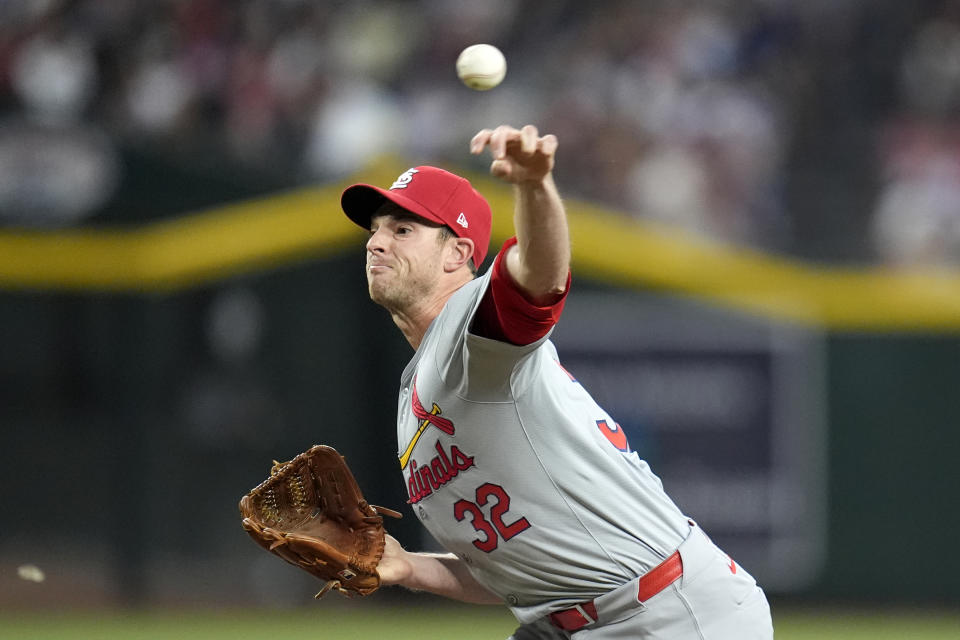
column 508, row 461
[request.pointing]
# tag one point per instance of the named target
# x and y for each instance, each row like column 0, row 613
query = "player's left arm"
column 539, row 263
column 443, row 574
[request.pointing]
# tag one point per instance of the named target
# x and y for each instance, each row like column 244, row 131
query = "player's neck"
column 414, row 320
column 413, row 324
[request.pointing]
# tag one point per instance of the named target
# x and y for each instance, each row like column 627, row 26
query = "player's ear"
column 459, row 252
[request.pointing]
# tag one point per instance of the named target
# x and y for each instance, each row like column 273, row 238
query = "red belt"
column 649, row 585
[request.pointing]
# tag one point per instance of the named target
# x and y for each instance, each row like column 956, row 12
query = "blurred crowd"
column 685, row 113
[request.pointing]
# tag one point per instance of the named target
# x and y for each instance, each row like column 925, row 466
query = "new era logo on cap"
column 433, row 194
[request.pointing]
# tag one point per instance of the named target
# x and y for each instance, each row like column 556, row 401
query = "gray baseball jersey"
column 511, row 465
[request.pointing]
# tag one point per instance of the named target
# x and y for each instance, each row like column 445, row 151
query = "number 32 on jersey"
column 494, row 528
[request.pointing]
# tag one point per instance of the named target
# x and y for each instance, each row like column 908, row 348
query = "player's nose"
column 376, row 243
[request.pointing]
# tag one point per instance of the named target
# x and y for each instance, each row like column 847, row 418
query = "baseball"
column 481, row 66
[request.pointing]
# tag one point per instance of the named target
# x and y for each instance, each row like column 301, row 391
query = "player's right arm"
column 540, row 261
column 531, row 275
column 441, row 574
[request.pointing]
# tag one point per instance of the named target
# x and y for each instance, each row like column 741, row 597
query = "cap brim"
column 360, row 201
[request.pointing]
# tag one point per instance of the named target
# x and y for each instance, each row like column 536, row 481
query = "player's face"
column 404, row 260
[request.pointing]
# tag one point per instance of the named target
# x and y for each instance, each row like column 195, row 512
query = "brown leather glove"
column 311, row 513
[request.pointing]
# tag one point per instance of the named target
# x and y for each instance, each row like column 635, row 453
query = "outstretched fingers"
column 518, row 154
column 529, row 140
column 500, row 141
column 480, row 140
column 548, row 145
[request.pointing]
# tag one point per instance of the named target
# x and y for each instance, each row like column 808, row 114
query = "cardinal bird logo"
column 426, row 418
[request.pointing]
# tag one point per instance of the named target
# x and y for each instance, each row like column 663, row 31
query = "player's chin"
column 378, row 290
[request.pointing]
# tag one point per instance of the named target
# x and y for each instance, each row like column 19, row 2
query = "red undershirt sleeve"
column 505, row 313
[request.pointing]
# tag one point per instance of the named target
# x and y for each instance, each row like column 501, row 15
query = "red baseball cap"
column 431, row 193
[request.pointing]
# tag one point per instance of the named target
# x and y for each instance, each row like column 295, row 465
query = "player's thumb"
column 502, row 169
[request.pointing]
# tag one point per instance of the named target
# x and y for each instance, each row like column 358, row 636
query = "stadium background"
column 181, row 301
